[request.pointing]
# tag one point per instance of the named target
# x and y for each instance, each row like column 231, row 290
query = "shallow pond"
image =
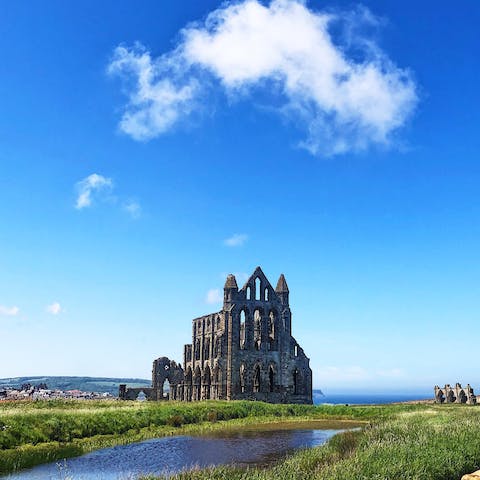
column 259, row 445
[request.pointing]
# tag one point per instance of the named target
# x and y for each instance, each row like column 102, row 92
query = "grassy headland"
column 398, row 441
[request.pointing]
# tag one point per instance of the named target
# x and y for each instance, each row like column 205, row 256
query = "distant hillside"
column 86, row 384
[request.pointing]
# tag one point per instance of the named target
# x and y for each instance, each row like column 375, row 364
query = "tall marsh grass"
column 435, row 443
column 400, row 441
column 43, row 431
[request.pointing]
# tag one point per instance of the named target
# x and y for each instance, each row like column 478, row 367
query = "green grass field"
column 45, row 431
column 397, row 441
column 434, row 443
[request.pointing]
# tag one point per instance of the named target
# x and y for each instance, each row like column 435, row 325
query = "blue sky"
column 336, row 143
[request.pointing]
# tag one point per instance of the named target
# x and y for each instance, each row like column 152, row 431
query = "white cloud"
column 100, row 188
column 341, row 88
column 214, row 296
column 133, row 208
column 9, row 311
column 89, row 186
column 160, row 96
column 236, row 240
column 55, row 308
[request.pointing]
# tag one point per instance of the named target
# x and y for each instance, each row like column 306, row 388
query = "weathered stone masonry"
column 245, row 351
column 456, row 394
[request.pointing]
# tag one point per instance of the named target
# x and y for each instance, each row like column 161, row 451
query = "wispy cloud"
column 214, row 296
column 157, row 102
column 90, row 187
column 96, row 187
column 9, row 311
column 236, row 240
column 55, row 308
column 340, row 87
column 133, row 208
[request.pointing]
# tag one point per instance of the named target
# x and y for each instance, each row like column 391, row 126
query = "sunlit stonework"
column 244, row 351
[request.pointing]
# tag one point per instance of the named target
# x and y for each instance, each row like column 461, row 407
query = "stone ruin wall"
column 456, row 394
column 245, row 351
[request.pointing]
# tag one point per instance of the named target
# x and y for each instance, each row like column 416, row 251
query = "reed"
column 434, row 443
column 45, row 431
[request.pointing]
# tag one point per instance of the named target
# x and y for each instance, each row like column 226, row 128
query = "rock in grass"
column 472, row 476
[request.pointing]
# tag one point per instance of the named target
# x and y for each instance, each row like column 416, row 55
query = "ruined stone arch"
column 206, row 348
column 258, row 327
column 242, row 378
column 450, row 397
column 297, row 381
column 197, row 349
column 197, row 383
column 457, row 394
column 188, row 384
column 273, row 330
column 166, row 371
column 243, row 328
column 272, row 376
column 440, row 396
column 285, row 319
column 257, row 283
column 207, row 382
column 257, row 378
column 217, row 381
column 217, row 349
column 141, row 397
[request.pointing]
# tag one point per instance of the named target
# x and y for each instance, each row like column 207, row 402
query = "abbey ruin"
column 244, row 351
column 456, row 394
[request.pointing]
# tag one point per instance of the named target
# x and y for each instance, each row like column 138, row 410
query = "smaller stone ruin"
column 456, row 394
column 166, row 376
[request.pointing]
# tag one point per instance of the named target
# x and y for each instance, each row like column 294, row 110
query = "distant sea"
column 367, row 398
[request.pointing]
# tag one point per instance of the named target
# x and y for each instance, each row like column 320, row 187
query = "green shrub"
column 212, row 416
column 345, row 443
column 175, row 420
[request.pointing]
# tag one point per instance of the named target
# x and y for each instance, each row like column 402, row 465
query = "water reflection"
column 172, row 454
